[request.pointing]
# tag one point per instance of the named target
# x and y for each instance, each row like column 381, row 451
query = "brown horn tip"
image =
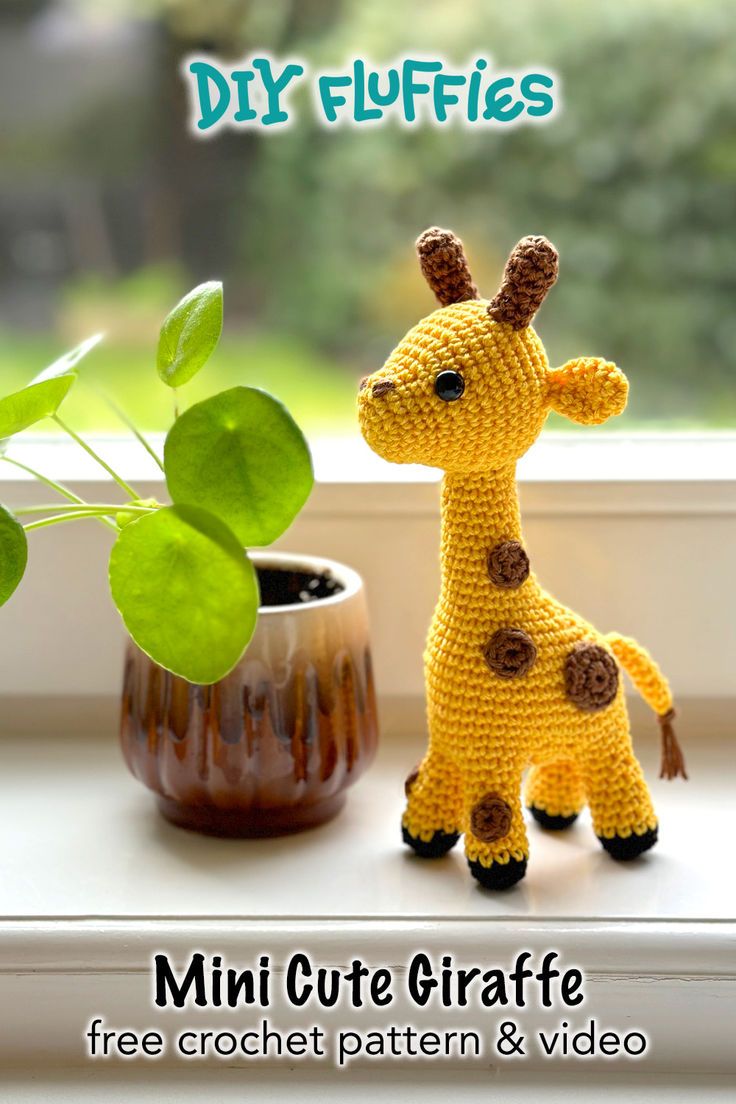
column 530, row 272
column 443, row 262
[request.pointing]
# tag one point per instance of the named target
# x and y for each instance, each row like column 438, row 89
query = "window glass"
column 109, row 209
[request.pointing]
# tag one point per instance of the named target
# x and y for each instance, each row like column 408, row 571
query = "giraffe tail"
column 655, row 690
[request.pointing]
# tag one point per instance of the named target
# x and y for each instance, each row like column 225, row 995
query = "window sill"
column 565, row 473
column 427, row 1084
column 95, row 883
column 606, row 457
column 90, row 815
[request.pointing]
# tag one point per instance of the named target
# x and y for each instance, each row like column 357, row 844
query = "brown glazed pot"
column 273, row 747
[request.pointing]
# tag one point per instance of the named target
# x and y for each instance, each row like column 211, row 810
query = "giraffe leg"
column 431, row 821
column 620, row 804
column 554, row 794
column 496, row 844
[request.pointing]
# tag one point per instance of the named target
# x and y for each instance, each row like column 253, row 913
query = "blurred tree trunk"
column 198, row 186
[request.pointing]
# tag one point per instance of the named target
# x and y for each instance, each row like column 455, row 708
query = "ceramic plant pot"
column 274, row 746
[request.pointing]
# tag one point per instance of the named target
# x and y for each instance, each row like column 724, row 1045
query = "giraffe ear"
column 588, row 390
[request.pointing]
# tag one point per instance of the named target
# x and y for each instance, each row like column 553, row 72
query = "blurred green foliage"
column 312, row 230
column 318, row 391
column 635, row 181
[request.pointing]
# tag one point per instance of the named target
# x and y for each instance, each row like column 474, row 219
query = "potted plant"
column 248, row 704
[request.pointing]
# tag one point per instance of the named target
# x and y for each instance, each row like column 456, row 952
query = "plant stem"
column 58, row 487
column 131, row 426
column 88, row 449
column 72, row 515
column 57, row 519
column 100, row 508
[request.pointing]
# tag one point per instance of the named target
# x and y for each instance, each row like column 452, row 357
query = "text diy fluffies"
column 514, row 679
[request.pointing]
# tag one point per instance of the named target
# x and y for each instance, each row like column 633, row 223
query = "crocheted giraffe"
column 514, row 679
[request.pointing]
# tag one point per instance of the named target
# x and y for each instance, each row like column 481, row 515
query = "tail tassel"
column 673, row 761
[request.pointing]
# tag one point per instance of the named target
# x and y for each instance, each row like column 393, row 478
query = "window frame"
column 637, row 532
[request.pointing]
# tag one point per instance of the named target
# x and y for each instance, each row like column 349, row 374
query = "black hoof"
column 435, row 848
column 550, row 822
column 625, row 848
column 498, row 875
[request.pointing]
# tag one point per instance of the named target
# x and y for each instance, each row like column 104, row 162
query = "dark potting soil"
column 285, row 588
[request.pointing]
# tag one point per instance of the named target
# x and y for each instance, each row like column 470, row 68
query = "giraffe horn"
column 530, row 272
column 444, row 265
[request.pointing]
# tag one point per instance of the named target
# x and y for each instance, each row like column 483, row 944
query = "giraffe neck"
column 479, row 511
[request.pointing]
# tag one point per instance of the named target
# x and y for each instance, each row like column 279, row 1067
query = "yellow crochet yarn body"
column 514, row 679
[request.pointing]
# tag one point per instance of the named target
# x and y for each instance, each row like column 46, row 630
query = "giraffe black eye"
column 449, row 385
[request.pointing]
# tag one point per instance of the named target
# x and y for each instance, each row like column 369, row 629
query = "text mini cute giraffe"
column 514, row 679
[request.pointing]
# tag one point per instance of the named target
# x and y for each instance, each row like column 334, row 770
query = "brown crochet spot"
column 490, row 819
column 363, row 383
column 510, row 653
column 443, row 263
column 530, row 272
column 410, row 780
column 508, row 565
column 591, row 677
column 382, row 387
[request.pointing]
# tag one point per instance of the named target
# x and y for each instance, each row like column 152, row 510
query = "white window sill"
column 562, row 475
column 577, row 456
column 95, row 883
column 514, row 1086
column 429, row 1084
column 92, row 844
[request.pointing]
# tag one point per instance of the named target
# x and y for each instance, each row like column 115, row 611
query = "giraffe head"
column 469, row 387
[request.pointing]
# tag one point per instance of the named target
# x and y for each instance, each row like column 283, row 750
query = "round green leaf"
column 241, row 456
column 13, row 554
column 189, row 334
column 36, row 401
column 186, row 591
column 43, row 396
